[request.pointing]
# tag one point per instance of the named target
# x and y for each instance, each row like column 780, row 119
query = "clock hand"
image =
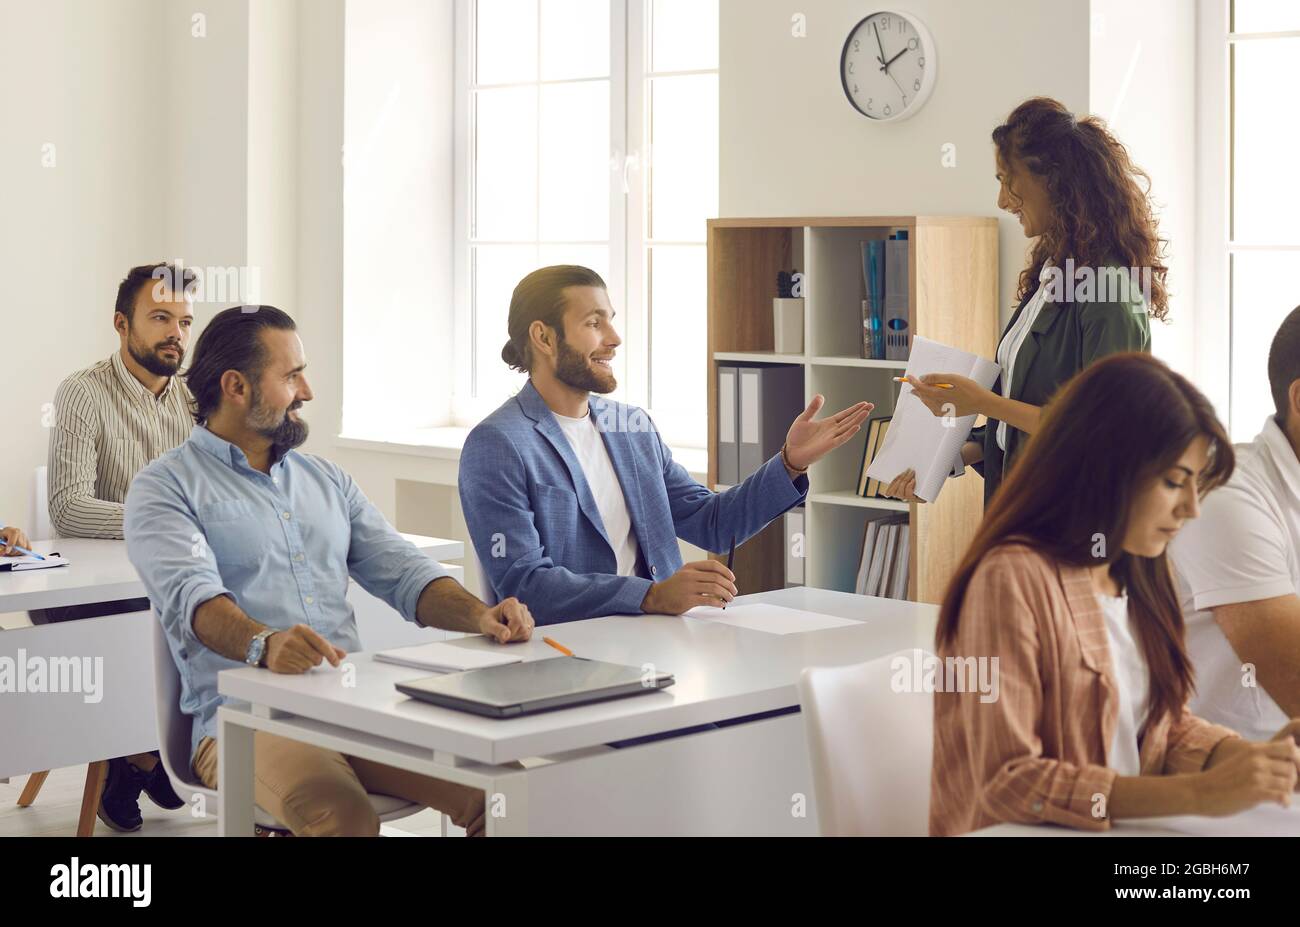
column 896, row 57
column 879, row 45
column 896, row 84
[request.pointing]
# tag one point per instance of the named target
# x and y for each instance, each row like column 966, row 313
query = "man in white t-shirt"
column 573, row 502
column 1238, row 569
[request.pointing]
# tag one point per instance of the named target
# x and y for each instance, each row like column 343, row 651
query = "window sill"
column 446, row 443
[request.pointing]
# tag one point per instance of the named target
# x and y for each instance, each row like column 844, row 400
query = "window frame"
column 629, row 82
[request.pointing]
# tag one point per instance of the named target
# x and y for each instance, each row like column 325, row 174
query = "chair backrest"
column 870, row 747
column 38, row 525
column 174, row 726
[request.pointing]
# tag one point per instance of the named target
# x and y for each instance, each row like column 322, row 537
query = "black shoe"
column 157, row 786
column 118, row 805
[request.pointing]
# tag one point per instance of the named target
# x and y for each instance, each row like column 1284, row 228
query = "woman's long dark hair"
column 1100, row 213
column 1103, row 438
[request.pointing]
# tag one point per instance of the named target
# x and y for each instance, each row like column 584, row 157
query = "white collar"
column 1272, row 440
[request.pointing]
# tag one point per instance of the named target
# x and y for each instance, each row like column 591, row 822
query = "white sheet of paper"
column 441, row 657
column 917, row 438
column 770, row 619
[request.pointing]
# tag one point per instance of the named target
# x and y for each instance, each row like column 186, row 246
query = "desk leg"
column 234, row 778
column 506, row 798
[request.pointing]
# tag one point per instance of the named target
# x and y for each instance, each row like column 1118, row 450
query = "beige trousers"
column 322, row 793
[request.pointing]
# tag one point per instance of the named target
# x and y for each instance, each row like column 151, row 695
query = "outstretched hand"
column 809, row 440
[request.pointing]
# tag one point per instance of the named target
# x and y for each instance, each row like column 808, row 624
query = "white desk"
column 1260, row 821
column 738, row 779
column 51, row 730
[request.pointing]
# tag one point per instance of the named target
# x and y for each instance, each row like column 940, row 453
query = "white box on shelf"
column 787, row 325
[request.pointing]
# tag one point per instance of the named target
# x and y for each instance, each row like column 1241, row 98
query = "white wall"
column 792, row 145
column 398, row 236
column 82, row 76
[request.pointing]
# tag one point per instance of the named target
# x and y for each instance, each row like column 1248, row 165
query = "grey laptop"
column 537, row 685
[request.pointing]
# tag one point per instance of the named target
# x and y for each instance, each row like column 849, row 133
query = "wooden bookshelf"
column 953, row 291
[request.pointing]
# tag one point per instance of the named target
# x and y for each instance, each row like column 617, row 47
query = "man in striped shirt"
column 109, row 421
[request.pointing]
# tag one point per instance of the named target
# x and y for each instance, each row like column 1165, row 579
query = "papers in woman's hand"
column 920, row 440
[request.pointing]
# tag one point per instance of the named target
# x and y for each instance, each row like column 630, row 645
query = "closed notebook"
column 874, row 485
column 444, row 658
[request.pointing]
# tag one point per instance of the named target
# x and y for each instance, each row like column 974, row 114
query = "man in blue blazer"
column 574, row 503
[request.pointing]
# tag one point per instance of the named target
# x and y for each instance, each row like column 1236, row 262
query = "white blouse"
column 1134, row 680
column 1015, row 337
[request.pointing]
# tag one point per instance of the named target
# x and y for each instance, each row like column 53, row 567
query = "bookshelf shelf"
column 759, row 357
column 825, row 360
column 849, row 497
column 952, row 293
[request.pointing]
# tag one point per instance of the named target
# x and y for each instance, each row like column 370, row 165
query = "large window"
column 1263, row 237
column 588, row 134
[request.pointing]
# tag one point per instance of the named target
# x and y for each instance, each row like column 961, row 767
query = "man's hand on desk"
column 299, row 649
column 508, row 620
column 703, row 582
column 11, row 538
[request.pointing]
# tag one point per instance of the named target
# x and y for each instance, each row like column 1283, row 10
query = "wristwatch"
column 257, row 647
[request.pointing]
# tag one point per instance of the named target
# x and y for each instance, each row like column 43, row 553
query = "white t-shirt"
column 1242, row 548
column 593, row 456
column 1134, row 681
column 1009, row 347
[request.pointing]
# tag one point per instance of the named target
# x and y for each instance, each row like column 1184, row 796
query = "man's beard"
column 156, row 363
column 572, row 368
column 283, row 432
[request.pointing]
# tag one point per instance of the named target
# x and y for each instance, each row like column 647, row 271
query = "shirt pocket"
column 555, row 515
column 234, row 532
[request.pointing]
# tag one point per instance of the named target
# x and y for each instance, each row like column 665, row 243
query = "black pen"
column 731, row 557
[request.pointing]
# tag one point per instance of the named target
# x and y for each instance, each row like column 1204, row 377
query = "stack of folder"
column 883, row 563
column 756, row 406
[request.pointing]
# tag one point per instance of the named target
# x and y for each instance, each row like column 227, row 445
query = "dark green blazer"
column 1065, row 338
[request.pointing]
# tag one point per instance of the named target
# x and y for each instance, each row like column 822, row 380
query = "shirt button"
column 654, row 571
column 297, row 558
column 309, row 600
column 286, row 516
column 275, row 479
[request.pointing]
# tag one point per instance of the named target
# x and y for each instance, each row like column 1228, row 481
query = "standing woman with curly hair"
column 1085, row 205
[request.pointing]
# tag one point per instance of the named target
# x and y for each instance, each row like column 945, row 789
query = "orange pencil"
column 558, row 646
column 939, row 385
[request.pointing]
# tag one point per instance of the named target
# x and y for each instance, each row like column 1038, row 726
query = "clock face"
column 887, row 67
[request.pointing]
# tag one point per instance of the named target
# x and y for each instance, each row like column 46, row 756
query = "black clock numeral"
column 850, row 67
column 888, row 111
column 921, row 61
column 855, row 88
column 869, row 99
column 916, row 84
column 857, row 45
column 912, row 44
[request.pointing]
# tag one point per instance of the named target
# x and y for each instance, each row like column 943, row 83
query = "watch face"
column 887, row 66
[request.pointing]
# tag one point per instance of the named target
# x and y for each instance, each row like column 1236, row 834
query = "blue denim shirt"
column 201, row 522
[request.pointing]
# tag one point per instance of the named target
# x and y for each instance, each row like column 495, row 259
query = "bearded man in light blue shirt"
column 245, row 547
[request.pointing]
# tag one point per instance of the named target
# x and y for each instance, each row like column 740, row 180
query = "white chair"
column 174, row 744
column 870, row 749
